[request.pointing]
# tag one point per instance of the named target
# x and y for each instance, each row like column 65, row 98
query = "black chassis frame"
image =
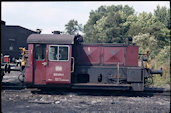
column 112, row 75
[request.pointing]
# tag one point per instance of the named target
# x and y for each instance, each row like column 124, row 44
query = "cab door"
column 59, row 64
column 40, row 63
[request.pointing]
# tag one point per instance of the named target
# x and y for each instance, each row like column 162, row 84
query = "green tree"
column 140, row 24
column 146, row 42
column 163, row 15
column 72, row 27
column 148, row 23
column 106, row 24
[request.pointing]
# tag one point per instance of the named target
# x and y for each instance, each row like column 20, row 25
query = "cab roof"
column 51, row 39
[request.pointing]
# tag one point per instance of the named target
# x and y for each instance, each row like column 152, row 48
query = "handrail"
column 72, row 64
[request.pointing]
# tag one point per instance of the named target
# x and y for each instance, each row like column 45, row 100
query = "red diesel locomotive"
column 64, row 61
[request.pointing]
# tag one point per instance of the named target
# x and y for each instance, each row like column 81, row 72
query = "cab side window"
column 40, row 51
column 58, row 53
column 63, row 53
column 53, row 53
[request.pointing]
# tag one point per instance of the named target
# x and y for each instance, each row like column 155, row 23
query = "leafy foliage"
column 72, row 27
column 163, row 15
column 146, row 42
column 106, row 24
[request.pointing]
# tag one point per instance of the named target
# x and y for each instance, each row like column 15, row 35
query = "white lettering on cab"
column 60, row 79
column 58, row 74
column 58, row 68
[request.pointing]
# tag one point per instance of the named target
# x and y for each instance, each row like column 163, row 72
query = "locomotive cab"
column 49, row 59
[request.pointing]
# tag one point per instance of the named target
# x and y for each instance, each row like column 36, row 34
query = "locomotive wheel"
column 148, row 81
column 21, row 77
column 9, row 68
column 2, row 75
column 6, row 68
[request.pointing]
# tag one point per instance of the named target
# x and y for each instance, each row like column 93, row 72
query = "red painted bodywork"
column 113, row 55
column 29, row 65
column 47, row 74
column 106, row 55
column 88, row 55
column 59, row 72
column 61, row 75
column 40, row 70
column 6, row 59
column 131, row 56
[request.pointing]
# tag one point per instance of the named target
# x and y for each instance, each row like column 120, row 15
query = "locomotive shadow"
column 12, row 86
column 90, row 92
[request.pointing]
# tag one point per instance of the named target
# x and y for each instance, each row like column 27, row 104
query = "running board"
column 101, row 86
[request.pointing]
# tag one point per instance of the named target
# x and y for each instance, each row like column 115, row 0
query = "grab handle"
column 72, row 64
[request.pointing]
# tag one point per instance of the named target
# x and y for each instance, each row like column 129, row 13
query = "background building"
column 13, row 37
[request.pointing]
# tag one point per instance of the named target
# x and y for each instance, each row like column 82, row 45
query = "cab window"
column 40, row 51
column 53, row 53
column 63, row 53
column 58, row 53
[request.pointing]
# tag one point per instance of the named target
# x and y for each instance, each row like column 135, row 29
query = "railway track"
column 148, row 92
